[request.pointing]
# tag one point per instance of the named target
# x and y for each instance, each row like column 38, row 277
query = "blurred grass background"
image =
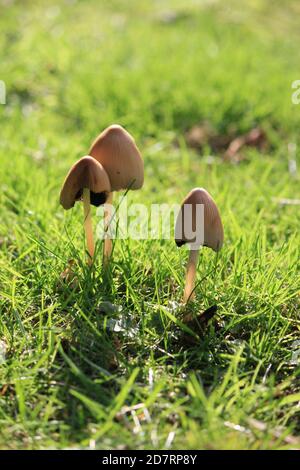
column 158, row 68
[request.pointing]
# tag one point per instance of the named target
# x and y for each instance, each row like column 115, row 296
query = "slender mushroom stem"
column 190, row 276
column 88, row 224
column 107, row 220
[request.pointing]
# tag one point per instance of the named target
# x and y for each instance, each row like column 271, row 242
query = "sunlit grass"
column 157, row 68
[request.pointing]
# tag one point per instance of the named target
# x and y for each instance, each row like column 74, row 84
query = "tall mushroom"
column 116, row 150
column 197, row 228
column 87, row 181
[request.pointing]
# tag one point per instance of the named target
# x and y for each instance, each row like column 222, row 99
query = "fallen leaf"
column 193, row 321
column 199, row 135
column 68, row 276
column 198, row 323
column 228, row 144
column 204, row 134
column 254, row 138
column 3, row 390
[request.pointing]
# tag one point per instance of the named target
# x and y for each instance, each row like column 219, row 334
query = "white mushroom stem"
column 190, row 276
column 107, row 250
column 88, row 224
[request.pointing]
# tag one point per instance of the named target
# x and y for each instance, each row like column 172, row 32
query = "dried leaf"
column 229, row 144
column 203, row 134
column 198, row 136
column 198, row 324
column 254, row 138
column 68, row 276
column 194, row 321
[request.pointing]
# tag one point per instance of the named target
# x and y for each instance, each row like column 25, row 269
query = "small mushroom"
column 197, row 228
column 116, row 150
column 87, row 181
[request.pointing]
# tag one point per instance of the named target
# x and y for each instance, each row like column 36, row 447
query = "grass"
column 71, row 68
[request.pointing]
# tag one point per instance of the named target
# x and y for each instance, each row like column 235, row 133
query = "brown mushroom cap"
column 116, row 150
column 86, row 173
column 213, row 233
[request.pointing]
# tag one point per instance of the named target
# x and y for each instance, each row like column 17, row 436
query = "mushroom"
column 197, row 228
column 116, row 150
column 87, row 181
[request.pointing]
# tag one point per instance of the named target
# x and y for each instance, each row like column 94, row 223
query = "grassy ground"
column 71, row 68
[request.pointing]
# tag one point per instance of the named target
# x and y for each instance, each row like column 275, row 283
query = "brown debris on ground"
column 230, row 146
column 68, row 277
column 255, row 138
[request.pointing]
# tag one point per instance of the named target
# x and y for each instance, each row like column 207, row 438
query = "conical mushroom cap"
column 116, row 150
column 192, row 228
column 86, row 173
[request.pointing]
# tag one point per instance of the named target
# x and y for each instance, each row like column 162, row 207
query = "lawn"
column 158, row 68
